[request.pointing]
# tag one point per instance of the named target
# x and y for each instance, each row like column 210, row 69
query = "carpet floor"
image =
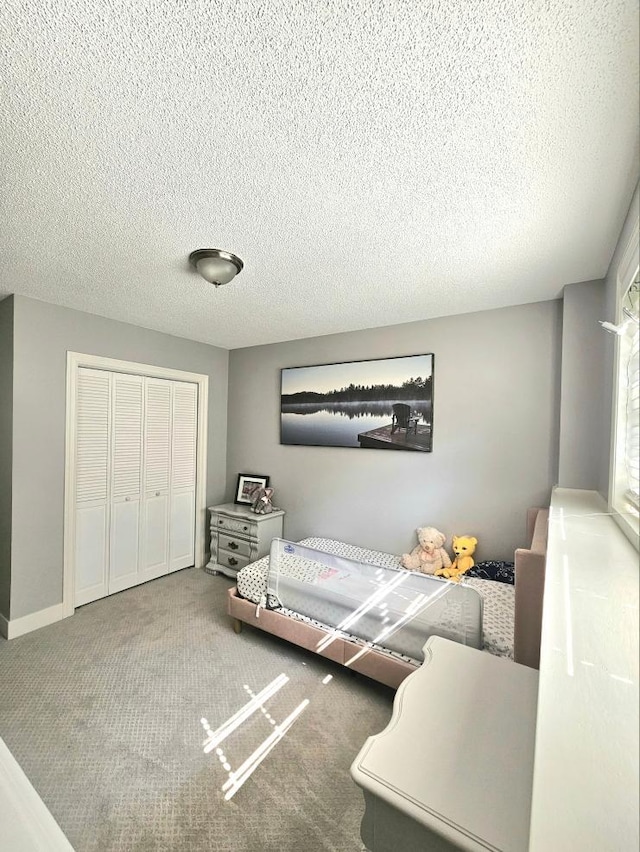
column 108, row 713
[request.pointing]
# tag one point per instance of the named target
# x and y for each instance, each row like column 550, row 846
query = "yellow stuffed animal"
column 463, row 547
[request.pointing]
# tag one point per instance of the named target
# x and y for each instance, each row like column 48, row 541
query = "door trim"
column 75, row 360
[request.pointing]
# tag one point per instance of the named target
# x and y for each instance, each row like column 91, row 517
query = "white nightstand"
column 239, row 536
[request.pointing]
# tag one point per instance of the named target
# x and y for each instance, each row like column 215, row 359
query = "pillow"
column 501, row 572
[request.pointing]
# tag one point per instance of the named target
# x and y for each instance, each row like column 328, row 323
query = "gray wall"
column 496, row 423
column 6, row 434
column 42, row 335
column 583, row 434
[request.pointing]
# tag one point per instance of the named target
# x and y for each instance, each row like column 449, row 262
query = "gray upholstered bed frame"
column 529, row 589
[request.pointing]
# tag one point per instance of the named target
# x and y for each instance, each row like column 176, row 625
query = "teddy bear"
column 429, row 555
column 261, row 501
column 464, row 547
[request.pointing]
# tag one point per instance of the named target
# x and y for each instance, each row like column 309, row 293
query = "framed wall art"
column 247, row 484
column 384, row 404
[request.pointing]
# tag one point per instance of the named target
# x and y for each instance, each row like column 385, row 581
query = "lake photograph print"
column 384, row 404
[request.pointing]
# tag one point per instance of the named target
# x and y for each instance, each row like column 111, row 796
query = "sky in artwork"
column 330, row 377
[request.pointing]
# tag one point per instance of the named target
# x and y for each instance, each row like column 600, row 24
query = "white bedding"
column 498, row 598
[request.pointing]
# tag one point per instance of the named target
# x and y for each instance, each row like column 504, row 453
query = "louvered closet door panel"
column 157, row 435
column 185, row 427
column 155, row 538
column 184, row 423
column 124, row 546
column 92, row 435
column 91, row 553
column 183, row 522
column 93, row 394
column 126, row 480
column 154, row 552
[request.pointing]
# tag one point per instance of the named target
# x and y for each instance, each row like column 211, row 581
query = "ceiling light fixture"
column 216, row 266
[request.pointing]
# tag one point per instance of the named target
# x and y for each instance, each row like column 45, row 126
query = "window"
column 625, row 489
column 632, row 412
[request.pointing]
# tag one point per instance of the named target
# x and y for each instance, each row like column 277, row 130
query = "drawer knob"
column 233, row 545
column 221, row 522
column 232, row 561
column 245, row 528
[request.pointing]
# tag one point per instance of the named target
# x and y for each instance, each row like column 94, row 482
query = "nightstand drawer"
column 235, row 544
column 235, row 561
column 234, row 526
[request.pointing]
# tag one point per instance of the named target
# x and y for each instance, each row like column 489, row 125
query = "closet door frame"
column 75, row 360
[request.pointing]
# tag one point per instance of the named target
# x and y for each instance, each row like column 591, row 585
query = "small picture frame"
column 247, row 484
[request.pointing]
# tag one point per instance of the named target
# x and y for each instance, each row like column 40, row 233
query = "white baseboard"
column 15, row 627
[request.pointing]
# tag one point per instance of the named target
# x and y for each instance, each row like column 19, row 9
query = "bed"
column 510, row 612
column 510, row 593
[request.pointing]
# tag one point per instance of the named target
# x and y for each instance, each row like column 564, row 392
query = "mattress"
column 497, row 602
column 394, row 608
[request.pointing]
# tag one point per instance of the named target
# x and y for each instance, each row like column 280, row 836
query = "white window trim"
column 626, row 273
column 75, row 360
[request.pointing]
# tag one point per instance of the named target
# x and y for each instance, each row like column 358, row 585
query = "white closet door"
column 184, row 423
column 126, row 480
column 154, row 552
column 92, row 485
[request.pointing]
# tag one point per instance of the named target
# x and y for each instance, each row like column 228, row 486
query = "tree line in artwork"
column 413, row 389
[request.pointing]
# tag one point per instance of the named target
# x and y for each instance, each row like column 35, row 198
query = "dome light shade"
column 216, row 266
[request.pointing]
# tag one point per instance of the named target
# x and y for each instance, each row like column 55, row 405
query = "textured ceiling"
column 372, row 161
